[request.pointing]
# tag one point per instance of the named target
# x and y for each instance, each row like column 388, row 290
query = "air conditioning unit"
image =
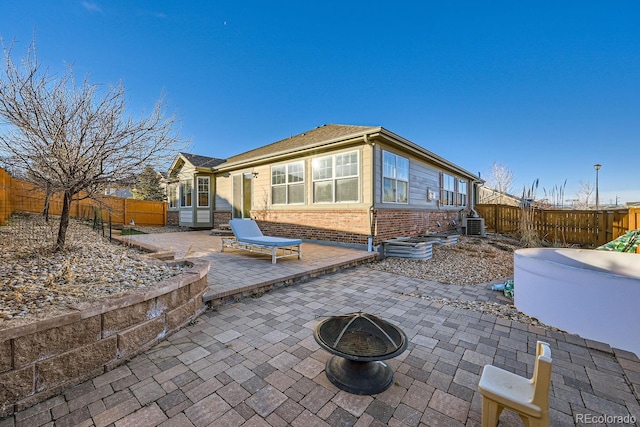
column 474, row 227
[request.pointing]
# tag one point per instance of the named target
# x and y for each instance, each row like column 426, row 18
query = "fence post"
column 164, row 214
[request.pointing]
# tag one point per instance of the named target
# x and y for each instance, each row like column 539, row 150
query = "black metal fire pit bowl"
column 359, row 343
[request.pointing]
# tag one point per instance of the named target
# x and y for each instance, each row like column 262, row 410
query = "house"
column 189, row 190
column 491, row 196
column 336, row 182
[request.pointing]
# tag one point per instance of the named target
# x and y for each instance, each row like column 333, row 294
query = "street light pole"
column 597, row 166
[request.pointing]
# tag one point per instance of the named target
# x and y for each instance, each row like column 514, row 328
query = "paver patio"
column 255, row 363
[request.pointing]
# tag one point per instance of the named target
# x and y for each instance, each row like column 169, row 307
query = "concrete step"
column 222, row 230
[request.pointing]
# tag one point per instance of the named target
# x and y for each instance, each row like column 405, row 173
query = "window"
column 336, row 178
column 454, row 191
column 395, row 178
column 186, row 190
column 287, row 184
column 462, row 193
column 203, row 191
column 448, row 190
column 172, row 195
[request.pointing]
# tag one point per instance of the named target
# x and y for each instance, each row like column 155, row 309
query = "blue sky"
column 547, row 89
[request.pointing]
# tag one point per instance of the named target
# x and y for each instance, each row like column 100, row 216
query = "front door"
column 241, row 196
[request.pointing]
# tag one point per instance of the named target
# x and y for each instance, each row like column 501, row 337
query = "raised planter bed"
column 407, row 248
column 41, row 359
column 416, row 247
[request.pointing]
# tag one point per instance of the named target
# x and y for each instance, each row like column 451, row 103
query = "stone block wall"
column 45, row 357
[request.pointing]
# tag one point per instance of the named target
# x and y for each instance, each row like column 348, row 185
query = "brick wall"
column 173, row 217
column 392, row 223
column 346, row 226
column 40, row 359
column 353, row 226
column 221, row 217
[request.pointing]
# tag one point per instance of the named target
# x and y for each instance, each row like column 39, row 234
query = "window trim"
column 287, row 184
column 463, row 198
column 198, row 192
column 184, row 195
column 395, row 178
column 334, row 179
column 458, row 199
column 173, row 195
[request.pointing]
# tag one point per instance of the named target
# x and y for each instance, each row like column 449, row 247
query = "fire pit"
column 359, row 343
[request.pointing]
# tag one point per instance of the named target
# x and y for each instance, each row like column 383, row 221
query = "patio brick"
column 255, row 362
column 266, row 401
column 449, row 405
column 207, row 410
column 316, row 399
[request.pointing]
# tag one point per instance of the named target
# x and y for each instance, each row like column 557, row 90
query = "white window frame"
column 463, row 192
column 287, row 183
column 184, row 195
column 333, row 178
column 452, row 191
column 173, row 196
column 205, row 191
column 448, row 190
column 393, row 176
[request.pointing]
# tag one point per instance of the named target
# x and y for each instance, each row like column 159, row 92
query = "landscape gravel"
column 470, row 261
column 35, row 281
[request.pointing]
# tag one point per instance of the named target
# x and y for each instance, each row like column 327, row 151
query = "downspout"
column 371, row 212
column 473, row 195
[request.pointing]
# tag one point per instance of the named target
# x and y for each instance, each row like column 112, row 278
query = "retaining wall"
column 41, row 359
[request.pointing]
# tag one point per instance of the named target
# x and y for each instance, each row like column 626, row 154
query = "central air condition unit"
column 474, row 227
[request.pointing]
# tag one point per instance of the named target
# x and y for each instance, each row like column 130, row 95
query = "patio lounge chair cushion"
column 247, row 231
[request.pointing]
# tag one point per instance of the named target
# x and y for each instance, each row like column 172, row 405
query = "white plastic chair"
column 529, row 398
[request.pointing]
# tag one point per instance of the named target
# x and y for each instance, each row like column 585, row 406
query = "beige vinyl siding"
column 223, row 193
column 261, row 190
column 366, row 182
column 422, row 177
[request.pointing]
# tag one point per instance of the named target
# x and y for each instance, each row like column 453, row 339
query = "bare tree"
column 72, row 137
column 500, row 179
column 583, row 194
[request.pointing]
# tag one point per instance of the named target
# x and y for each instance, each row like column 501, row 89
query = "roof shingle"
column 300, row 141
column 202, row 161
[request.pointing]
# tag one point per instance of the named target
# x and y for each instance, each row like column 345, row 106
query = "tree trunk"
column 64, row 221
column 47, row 200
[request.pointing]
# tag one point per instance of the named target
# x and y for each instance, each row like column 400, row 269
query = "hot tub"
column 595, row 294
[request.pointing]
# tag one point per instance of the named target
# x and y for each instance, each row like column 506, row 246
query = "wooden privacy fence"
column 17, row 195
column 5, row 199
column 583, row 227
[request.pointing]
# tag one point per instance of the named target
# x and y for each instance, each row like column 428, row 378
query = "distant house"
column 490, row 196
column 335, row 182
column 122, row 192
column 122, row 188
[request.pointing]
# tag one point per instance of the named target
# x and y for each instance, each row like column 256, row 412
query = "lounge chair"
column 248, row 237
